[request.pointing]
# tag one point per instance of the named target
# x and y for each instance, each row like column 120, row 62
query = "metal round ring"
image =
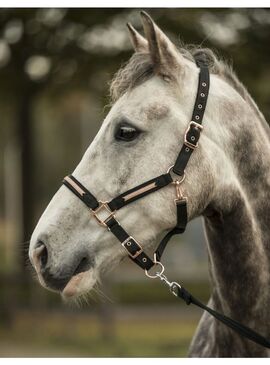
column 170, row 169
column 158, row 273
column 182, row 177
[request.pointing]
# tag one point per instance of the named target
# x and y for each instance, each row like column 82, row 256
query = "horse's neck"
column 238, row 239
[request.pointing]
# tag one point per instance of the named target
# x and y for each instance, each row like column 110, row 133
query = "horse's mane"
column 139, row 69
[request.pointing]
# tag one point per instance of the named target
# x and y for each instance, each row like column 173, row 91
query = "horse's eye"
column 126, row 133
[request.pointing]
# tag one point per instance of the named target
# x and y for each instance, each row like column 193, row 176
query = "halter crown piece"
column 104, row 212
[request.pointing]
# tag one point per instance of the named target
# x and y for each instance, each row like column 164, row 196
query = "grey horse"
column 227, row 182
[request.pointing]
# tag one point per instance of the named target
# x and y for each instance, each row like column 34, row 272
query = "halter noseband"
column 104, row 212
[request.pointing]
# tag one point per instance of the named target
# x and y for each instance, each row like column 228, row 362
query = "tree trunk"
column 24, row 134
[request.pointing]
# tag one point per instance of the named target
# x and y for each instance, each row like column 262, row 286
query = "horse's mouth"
column 79, row 284
column 72, row 287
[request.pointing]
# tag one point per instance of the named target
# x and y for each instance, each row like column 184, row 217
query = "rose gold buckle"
column 137, row 253
column 186, row 142
column 103, row 206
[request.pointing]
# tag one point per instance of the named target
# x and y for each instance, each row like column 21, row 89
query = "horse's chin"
column 79, row 284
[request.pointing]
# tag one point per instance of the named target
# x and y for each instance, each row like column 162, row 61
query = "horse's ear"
column 164, row 53
column 139, row 42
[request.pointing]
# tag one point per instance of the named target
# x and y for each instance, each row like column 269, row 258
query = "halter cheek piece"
column 104, row 212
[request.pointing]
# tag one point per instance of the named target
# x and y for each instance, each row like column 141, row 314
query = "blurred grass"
column 139, row 319
column 142, row 293
column 59, row 334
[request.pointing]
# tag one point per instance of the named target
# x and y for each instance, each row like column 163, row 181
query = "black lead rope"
column 242, row 330
column 135, row 251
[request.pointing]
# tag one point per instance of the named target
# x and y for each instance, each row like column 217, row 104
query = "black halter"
column 104, row 212
column 108, row 209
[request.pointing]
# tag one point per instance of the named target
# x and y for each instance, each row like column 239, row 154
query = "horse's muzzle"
column 57, row 278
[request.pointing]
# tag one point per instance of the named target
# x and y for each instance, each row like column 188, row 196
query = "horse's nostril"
column 84, row 265
column 41, row 254
column 44, row 257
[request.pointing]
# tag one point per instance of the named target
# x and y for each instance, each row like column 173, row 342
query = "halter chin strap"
column 104, row 212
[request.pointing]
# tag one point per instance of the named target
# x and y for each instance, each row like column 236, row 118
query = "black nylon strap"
column 193, row 132
column 140, row 191
column 135, row 251
column 234, row 325
column 181, row 210
column 202, row 94
column 86, row 196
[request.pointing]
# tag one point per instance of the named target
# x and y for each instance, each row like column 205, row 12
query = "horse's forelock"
column 136, row 71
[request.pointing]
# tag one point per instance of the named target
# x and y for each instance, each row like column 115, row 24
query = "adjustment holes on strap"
column 144, row 259
column 204, row 84
column 200, row 106
column 202, row 95
column 187, row 149
column 197, row 117
column 192, row 138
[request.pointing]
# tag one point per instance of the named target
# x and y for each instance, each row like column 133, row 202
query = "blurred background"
column 55, row 66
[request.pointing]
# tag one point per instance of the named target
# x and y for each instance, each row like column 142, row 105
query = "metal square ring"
column 103, row 206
